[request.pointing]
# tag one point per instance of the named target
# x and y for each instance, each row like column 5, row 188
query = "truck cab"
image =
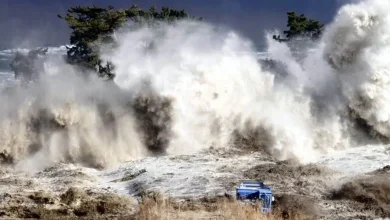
column 256, row 191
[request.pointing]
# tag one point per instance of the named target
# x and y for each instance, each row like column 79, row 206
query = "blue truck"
column 256, row 191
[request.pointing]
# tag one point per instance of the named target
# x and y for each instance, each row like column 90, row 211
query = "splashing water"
column 187, row 86
column 217, row 90
column 358, row 46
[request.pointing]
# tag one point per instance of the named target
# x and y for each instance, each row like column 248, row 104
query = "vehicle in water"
column 254, row 191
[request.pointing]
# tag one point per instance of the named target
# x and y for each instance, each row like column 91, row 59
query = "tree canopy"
column 93, row 26
column 300, row 25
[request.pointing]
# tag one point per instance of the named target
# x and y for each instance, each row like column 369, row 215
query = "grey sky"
column 34, row 22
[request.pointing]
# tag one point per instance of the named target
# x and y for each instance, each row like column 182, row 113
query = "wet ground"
column 314, row 189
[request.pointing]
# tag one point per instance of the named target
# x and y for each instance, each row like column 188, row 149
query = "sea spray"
column 218, row 87
column 358, row 47
column 196, row 91
column 67, row 118
column 187, row 86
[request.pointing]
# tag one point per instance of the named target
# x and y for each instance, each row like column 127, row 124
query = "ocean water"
column 214, row 87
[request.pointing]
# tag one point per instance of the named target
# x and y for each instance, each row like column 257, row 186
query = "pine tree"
column 300, row 26
column 93, row 27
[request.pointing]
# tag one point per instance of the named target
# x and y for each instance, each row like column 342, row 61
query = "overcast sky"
column 34, row 22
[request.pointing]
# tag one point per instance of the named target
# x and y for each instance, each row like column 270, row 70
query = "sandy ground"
column 68, row 191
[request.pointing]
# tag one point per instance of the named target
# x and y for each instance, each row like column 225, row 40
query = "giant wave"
column 198, row 88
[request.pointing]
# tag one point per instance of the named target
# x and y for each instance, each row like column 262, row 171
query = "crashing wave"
column 358, row 47
column 195, row 87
